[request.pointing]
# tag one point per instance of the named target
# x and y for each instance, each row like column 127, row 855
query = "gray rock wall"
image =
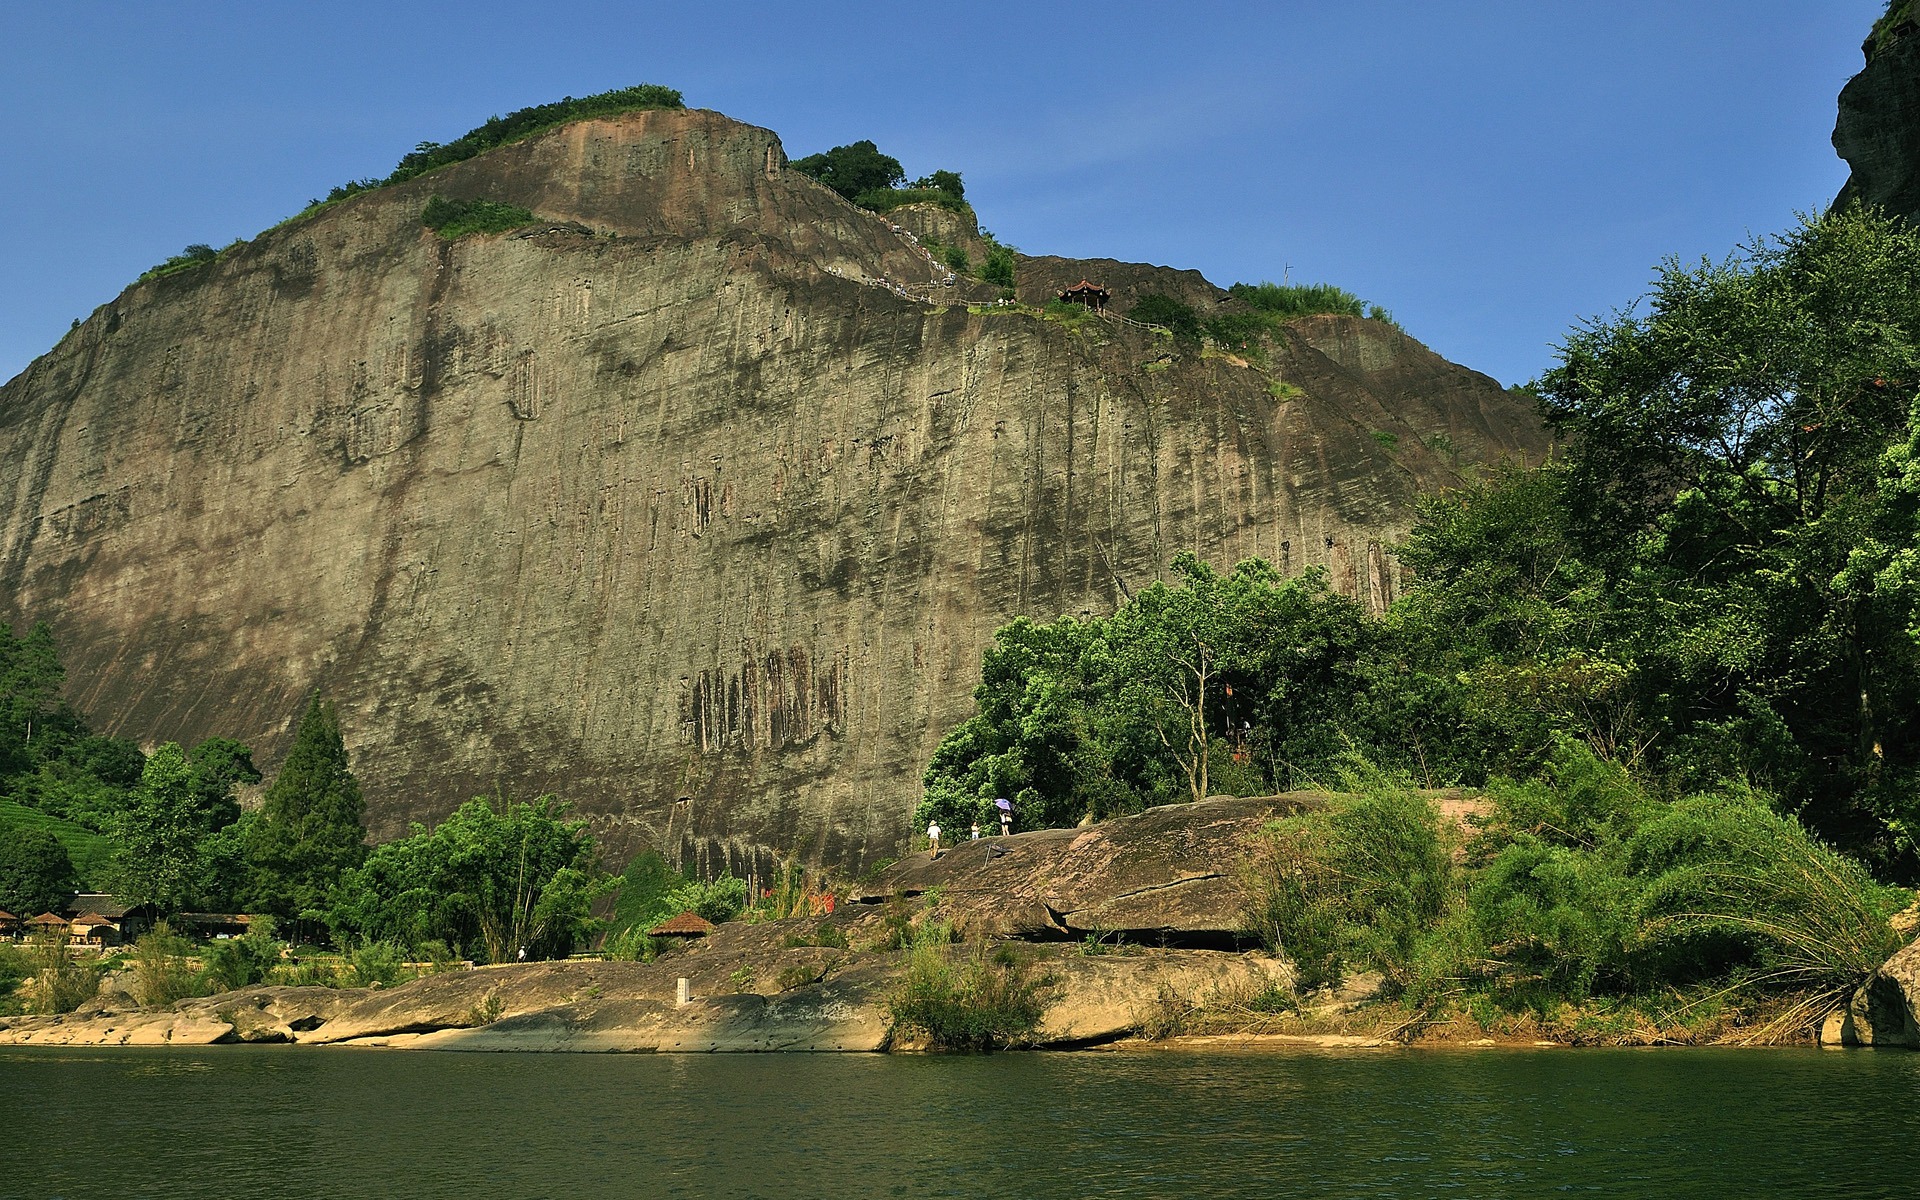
column 670, row 502
column 1878, row 129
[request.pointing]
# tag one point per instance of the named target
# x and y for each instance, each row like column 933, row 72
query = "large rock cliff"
column 673, row 504
column 1878, row 129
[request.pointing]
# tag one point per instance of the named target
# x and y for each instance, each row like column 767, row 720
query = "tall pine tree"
column 309, row 830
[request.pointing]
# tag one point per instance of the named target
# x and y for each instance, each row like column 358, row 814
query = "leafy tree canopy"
column 853, row 169
column 158, row 860
column 496, row 877
column 36, row 875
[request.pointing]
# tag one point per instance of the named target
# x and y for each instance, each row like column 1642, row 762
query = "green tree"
column 216, row 767
column 1736, row 466
column 309, row 831
column 999, row 266
column 35, row 723
column 1240, row 683
column 943, row 181
column 495, row 877
column 853, row 169
column 1177, row 315
column 36, row 875
column 157, row 858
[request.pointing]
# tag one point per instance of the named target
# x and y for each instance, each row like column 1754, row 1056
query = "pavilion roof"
column 687, row 924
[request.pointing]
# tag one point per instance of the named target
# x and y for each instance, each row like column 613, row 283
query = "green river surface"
column 292, row 1121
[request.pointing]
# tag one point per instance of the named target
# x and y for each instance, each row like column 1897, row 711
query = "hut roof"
column 100, row 903
column 7, row 916
column 91, row 918
column 48, row 918
column 687, row 924
column 1084, row 286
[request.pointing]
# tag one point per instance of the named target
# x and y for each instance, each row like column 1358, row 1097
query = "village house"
column 128, row 921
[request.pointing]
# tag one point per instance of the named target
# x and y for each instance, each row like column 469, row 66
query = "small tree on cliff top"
column 309, row 831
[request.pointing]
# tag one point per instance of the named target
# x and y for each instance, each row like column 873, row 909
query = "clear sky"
column 1489, row 171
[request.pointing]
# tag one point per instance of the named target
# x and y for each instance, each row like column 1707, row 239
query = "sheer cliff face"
column 674, row 501
column 1878, row 130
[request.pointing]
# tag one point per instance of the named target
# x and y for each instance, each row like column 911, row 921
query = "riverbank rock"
column 1162, row 877
column 163, row 1027
column 1886, row 1009
column 1102, row 998
column 797, row 998
column 113, row 1018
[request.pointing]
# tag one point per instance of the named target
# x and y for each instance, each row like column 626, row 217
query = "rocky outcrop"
column 671, row 504
column 262, row 1014
column 1878, row 128
column 820, row 982
column 788, row 998
column 1162, row 877
column 1886, row 1009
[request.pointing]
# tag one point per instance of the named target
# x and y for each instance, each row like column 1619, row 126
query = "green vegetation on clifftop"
column 516, row 126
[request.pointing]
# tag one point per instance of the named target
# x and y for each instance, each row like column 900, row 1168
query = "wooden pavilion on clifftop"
column 1092, row 295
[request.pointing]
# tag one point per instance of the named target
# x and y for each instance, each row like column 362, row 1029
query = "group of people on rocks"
column 1005, row 809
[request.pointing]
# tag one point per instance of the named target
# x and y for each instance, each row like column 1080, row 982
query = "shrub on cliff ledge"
column 453, row 219
column 525, row 122
column 1300, row 299
column 197, row 255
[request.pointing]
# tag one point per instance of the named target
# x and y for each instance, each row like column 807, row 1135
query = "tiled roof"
column 112, row 907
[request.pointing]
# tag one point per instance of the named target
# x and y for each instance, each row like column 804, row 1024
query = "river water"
column 262, row 1121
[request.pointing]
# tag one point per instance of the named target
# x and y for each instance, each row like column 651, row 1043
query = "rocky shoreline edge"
column 1131, row 931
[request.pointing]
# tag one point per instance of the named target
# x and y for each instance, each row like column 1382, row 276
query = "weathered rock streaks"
column 658, row 500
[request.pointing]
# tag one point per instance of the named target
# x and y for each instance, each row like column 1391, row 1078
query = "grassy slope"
column 89, row 850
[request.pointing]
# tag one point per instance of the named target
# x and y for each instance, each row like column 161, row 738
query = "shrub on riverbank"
column 982, row 1000
column 165, row 968
column 1581, row 892
column 60, row 981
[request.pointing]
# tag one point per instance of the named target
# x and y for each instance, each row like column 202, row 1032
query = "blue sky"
column 1491, row 172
